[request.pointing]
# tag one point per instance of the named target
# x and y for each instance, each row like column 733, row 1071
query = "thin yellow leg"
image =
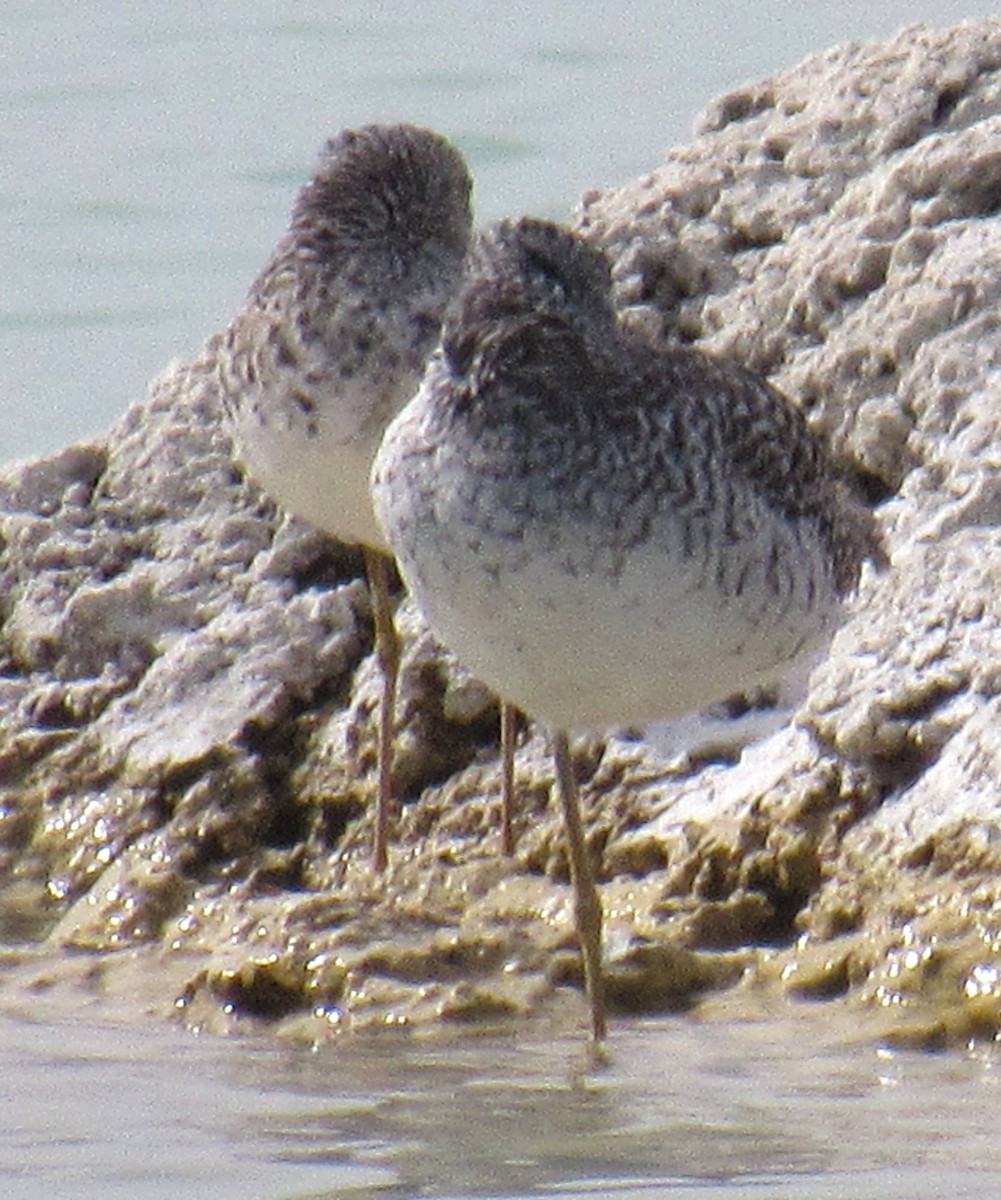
column 387, row 649
column 587, row 903
column 508, row 730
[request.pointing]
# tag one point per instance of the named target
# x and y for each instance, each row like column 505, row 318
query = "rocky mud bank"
column 188, row 692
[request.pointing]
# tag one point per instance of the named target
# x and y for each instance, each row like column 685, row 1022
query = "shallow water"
column 149, row 152
column 731, row 1112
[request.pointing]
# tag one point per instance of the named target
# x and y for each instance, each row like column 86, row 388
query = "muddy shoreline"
column 188, row 692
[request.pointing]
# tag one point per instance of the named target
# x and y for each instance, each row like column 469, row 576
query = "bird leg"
column 508, row 734
column 587, row 903
column 387, row 649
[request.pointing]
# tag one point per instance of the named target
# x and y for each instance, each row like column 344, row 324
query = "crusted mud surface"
column 188, row 691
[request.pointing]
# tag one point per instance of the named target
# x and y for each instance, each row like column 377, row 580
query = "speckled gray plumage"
column 332, row 342
column 337, row 327
column 574, row 508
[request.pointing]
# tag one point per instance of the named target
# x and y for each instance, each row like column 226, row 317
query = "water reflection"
column 735, row 1112
column 797, row 1108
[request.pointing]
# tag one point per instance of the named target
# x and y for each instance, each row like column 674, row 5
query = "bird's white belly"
column 582, row 648
column 314, row 465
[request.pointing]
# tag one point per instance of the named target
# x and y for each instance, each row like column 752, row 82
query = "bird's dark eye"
column 460, row 348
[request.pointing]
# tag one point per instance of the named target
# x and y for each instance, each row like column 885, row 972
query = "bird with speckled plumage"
column 333, row 339
column 606, row 531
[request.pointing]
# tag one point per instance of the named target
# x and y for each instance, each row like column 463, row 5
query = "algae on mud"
column 187, row 749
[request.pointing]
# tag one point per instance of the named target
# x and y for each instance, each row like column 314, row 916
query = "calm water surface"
column 149, row 151
column 739, row 1112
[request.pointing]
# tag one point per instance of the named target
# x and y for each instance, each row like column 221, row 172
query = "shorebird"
column 604, row 531
column 333, row 340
